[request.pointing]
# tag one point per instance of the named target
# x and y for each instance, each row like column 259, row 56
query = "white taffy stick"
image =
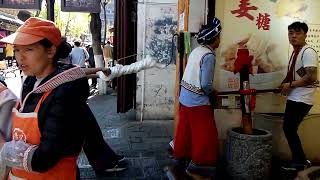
column 119, row 70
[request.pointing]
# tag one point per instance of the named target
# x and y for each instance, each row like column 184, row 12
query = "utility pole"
column 50, row 10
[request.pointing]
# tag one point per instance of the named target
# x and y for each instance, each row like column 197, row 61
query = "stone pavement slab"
column 144, row 143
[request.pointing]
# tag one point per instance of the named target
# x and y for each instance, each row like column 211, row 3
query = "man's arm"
column 308, row 79
column 285, row 80
column 91, row 72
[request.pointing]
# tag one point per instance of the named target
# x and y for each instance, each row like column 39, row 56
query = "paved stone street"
column 144, row 144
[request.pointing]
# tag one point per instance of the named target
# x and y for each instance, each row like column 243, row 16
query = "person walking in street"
column 49, row 120
column 108, row 53
column 92, row 64
column 68, row 49
column 196, row 133
column 299, row 88
column 79, row 55
column 9, row 54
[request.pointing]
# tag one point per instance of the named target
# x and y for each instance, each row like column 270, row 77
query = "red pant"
column 196, row 135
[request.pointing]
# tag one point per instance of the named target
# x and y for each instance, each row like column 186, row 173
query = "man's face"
column 297, row 37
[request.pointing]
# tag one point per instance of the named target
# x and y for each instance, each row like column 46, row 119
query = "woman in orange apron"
column 49, row 120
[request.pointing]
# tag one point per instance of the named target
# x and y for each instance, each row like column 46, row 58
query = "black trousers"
column 98, row 152
column 94, row 81
column 92, row 65
column 294, row 115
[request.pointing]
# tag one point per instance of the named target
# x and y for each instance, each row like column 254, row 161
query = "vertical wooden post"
column 50, row 10
column 246, row 114
column 181, row 61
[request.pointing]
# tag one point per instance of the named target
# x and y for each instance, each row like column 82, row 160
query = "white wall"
column 155, row 87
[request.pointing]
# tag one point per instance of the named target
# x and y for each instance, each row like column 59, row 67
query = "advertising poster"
column 261, row 27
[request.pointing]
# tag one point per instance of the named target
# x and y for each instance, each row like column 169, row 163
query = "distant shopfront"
column 8, row 25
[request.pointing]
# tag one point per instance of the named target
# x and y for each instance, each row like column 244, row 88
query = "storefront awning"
column 9, row 19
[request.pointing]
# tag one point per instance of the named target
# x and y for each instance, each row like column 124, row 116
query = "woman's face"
column 35, row 59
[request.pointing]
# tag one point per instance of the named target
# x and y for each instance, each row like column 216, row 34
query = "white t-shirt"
column 79, row 56
column 307, row 57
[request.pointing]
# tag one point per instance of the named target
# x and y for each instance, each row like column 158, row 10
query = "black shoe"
column 170, row 148
column 294, row 166
column 205, row 171
column 121, row 158
column 119, row 166
column 178, row 170
column 180, row 164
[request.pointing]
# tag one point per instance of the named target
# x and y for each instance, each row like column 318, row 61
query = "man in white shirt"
column 79, row 55
column 299, row 87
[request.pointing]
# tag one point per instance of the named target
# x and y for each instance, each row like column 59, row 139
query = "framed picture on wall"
column 92, row 6
column 21, row 4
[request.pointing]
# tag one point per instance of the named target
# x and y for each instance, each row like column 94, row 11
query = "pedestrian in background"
column 108, row 54
column 79, row 55
column 9, row 54
column 68, row 49
column 92, row 64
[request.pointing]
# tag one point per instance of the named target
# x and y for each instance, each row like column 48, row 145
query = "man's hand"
column 285, row 89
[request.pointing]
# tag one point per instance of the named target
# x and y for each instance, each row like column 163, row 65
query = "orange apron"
column 25, row 127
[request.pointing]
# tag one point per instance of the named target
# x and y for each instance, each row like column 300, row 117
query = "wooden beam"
column 50, row 10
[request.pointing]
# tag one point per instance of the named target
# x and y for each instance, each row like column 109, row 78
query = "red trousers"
column 196, row 135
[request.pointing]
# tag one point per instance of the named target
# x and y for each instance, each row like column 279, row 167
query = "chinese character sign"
column 313, row 38
column 263, row 19
column 244, row 8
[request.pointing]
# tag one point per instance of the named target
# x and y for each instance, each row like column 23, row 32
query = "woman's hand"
column 106, row 71
column 15, row 154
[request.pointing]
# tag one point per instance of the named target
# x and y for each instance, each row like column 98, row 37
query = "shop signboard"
column 21, row 4
column 92, row 6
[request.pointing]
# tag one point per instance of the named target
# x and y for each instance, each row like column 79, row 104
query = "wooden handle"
column 277, row 90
